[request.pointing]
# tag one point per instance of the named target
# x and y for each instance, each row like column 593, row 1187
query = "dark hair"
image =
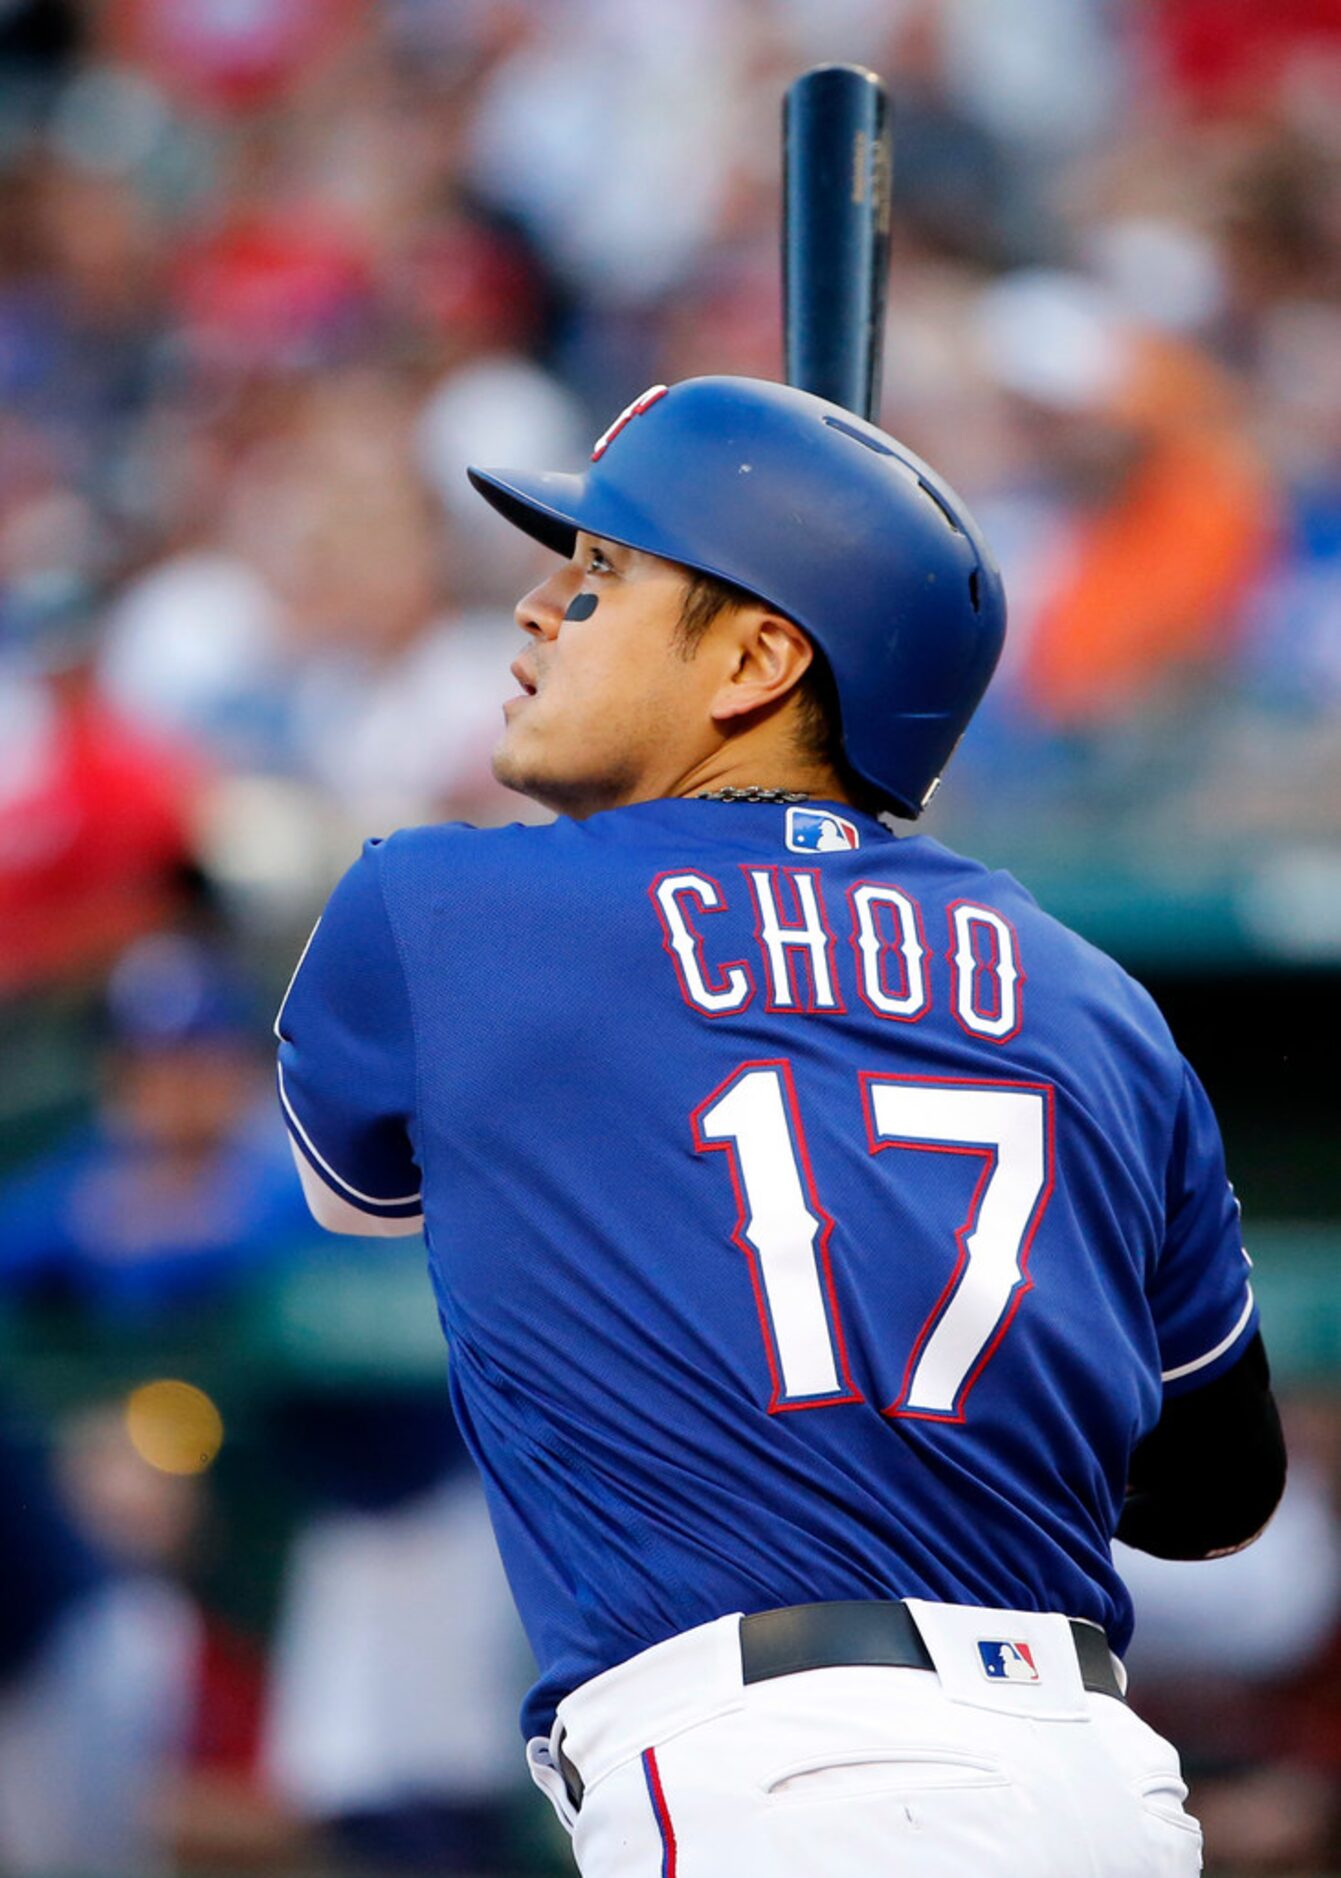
column 819, row 718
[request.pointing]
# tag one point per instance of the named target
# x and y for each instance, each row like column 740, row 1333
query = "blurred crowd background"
column 271, row 273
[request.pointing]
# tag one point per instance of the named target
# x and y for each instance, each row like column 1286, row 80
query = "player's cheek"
column 598, row 676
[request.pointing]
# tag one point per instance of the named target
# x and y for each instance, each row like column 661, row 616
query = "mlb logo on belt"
column 1007, row 1660
column 819, row 831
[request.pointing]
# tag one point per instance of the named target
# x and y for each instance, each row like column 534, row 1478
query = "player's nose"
column 540, row 612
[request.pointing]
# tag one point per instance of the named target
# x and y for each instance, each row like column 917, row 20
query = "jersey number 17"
column 782, row 1227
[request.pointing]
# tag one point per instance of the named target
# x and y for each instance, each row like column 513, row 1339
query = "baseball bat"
column 836, row 172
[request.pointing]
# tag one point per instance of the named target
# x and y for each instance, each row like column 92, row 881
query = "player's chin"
column 508, row 764
column 522, row 763
column 518, row 763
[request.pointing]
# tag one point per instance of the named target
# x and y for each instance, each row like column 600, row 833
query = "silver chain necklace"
column 750, row 793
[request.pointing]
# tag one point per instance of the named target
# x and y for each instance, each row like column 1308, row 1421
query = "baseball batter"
column 834, row 1250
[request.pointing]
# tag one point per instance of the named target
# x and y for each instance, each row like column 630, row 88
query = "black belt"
column 858, row 1635
column 854, row 1635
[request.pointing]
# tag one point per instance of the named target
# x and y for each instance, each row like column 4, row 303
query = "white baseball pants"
column 688, row 1772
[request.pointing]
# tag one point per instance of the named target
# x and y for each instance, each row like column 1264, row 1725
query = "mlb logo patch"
column 1007, row 1660
column 819, row 831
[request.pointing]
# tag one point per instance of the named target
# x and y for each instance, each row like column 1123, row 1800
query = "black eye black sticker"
column 583, row 606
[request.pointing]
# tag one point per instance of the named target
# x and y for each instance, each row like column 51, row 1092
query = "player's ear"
column 769, row 656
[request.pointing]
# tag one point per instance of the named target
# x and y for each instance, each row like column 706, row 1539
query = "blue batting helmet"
column 823, row 517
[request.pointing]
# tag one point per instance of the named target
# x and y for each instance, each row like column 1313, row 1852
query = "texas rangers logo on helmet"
column 1007, row 1660
column 819, row 831
column 626, row 416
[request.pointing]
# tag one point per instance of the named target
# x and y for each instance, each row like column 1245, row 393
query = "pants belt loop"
column 572, row 1780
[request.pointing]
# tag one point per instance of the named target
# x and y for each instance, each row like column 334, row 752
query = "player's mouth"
column 525, row 677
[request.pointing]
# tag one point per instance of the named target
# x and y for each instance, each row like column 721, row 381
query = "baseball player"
column 834, row 1250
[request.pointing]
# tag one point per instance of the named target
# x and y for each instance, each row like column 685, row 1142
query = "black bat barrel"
column 835, row 234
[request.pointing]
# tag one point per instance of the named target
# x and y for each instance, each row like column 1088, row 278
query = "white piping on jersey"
column 1186, row 1369
column 293, row 980
column 369, row 1201
column 342, row 1216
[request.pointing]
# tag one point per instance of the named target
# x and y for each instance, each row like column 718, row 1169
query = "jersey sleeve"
column 1200, row 1295
column 347, row 1066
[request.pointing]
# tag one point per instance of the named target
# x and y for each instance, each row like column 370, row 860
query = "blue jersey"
column 810, row 1215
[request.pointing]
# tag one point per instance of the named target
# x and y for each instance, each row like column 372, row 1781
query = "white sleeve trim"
column 337, row 1215
column 293, row 980
column 1188, row 1369
column 363, row 1200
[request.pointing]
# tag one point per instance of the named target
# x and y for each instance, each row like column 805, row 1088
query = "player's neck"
column 781, row 770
